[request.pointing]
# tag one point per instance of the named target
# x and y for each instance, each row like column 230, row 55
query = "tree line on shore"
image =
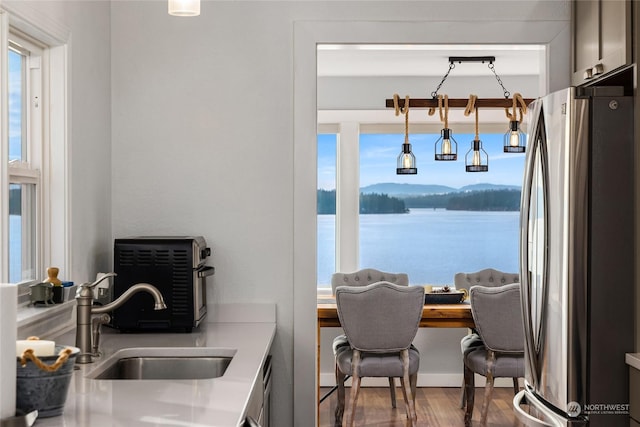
column 377, row 203
column 369, row 203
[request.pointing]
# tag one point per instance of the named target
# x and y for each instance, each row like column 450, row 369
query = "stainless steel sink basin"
column 164, row 364
column 166, row 368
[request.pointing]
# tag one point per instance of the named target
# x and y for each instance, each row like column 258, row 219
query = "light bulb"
column 446, row 146
column 406, row 161
column 476, row 158
column 514, row 139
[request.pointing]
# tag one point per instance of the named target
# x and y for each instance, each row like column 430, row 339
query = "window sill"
column 45, row 322
column 324, row 292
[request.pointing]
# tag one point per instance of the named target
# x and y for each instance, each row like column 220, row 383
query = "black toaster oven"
column 176, row 265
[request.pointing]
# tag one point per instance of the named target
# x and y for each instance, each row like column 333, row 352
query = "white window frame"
column 348, row 133
column 51, row 166
column 28, row 170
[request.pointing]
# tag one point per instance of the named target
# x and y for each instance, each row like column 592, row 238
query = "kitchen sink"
column 168, row 363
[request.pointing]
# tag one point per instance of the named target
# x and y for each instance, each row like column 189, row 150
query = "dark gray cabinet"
column 601, row 38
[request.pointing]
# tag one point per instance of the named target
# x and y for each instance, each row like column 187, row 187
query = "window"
column 33, row 156
column 431, row 225
column 326, row 224
column 25, row 145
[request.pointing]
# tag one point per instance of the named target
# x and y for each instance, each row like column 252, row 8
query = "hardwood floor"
column 437, row 407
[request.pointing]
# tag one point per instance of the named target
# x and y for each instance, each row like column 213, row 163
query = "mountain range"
column 408, row 190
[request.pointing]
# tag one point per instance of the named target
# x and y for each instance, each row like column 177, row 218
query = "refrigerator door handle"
column 528, row 419
column 525, row 278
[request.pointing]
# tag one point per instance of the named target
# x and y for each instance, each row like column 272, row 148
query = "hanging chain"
column 434, row 94
column 492, row 68
column 452, row 65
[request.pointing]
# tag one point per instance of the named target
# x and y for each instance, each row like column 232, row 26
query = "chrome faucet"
column 87, row 341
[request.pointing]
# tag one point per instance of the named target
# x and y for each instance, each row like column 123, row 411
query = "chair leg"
column 392, row 391
column 340, row 406
column 469, row 391
column 488, row 388
column 488, row 392
column 353, row 399
column 405, row 397
column 516, row 386
column 413, row 382
column 355, row 387
column 406, row 387
column 462, row 393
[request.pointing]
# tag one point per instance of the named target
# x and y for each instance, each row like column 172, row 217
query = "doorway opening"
column 429, row 216
column 308, row 35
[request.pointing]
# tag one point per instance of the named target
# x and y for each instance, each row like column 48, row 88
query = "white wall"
column 202, row 124
column 86, row 25
column 186, row 125
column 203, row 143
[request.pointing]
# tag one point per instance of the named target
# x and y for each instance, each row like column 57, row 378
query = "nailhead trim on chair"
column 503, row 279
column 366, row 277
column 370, row 279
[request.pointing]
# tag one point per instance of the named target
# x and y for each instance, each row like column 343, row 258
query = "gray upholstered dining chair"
column 364, row 277
column 486, row 277
column 367, row 276
column 380, row 321
column 500, row 351
column 489, row 277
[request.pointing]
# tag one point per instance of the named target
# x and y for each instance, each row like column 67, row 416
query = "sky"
column 379, row 152
column 15, row 106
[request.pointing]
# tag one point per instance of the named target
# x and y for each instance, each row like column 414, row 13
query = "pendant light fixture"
column 515, row 140
column 476, row 159
column 406, row 159
column 479, row 158
column 446, row 147
column 184, row 7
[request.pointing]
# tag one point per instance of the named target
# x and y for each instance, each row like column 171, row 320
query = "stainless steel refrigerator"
column 577, row 259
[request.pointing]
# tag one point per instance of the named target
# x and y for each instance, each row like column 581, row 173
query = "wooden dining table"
column 433, row 316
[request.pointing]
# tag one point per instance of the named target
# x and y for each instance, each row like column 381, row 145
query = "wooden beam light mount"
column 462, row 102
column 456, row 102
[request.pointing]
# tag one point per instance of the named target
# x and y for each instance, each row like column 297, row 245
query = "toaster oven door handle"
column 205, row 271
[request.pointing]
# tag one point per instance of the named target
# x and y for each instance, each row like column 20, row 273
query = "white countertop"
column 212, row 402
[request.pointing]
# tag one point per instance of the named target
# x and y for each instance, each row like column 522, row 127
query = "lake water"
column 15, row 248
column 429, row 245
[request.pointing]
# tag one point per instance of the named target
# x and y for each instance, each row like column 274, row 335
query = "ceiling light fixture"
column 406, row 159
column 515, row 140
column 184, row 7
column 479, row 161
column 446, row 147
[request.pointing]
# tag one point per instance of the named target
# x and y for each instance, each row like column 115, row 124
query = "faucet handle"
column 100, row 279
column 85, row 290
